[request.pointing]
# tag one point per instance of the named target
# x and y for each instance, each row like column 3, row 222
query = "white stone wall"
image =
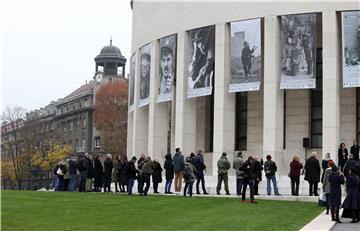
column 348, row 116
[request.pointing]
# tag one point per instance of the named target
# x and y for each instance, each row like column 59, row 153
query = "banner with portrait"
column 246, row 63
column 167, row 67
column 145, row 58
column 298, row 51
column 201, row 56
column 132, row 83
column 351, row 48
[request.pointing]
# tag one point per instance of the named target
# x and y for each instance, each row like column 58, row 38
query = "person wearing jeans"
column 130, row 173
column 237, row 165
column 179, row 165
column 169, row 173
column 73, row 176
column 189, row 177
column 145, row 173
column 270, row 168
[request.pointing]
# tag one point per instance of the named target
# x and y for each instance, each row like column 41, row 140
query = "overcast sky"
column 48, row 46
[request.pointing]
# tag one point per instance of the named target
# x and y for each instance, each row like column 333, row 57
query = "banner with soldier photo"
column 201, row 56
column 132, row 83
column 298, row 51
column 144, row 75
column 246, row 68
column 351, row 48
column 167, row 64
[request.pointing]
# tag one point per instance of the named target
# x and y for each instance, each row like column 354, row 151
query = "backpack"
column 267, row 168
column 188, row 172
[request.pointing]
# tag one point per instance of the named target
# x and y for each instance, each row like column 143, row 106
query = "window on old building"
column 71, row 125
column 317, row 105
column 97, row 142
column 83, row 143
column 84, row 122
column 241, row 121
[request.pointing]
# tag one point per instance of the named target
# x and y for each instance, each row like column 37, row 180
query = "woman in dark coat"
column 121, row 174
column 312, row 174
column 351, row 203
column 169, row 173
column 98, row 174
column 336, row 179
column 156, row 175
column 342, row 156
column 258, row 167
column 295, row 167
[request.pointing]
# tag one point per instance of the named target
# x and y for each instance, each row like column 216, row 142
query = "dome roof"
column 110, row 52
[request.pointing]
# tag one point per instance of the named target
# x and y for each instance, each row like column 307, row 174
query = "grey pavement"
column 346, row 225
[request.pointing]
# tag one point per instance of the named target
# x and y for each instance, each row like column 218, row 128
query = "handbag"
column 59, row 172
column 322, row 200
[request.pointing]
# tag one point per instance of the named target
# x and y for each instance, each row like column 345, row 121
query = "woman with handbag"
column 294, row 175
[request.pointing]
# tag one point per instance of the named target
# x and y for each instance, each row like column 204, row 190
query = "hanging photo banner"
column 298, row 47
column 246, row 68
column 132, row 83
column 201, row 56
column 351, row 48
column 167, row 67
column 144, row 75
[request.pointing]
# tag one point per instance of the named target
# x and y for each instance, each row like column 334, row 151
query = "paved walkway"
column 346, row 225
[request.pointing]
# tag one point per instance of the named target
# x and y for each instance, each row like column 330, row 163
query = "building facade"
column 273, row 119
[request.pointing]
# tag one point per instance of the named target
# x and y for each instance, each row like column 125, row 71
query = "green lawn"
column 29, row 210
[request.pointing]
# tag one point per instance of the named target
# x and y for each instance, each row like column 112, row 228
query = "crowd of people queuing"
column 87, row 175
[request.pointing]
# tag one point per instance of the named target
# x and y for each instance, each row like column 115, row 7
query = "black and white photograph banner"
column 246, row 68
column 298, row 47
column 167, row 65
column 201, row 56
column 351, row 48
column 132, row 83
column 144, row 75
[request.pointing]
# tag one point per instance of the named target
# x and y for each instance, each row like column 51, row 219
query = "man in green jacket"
column 223, row 168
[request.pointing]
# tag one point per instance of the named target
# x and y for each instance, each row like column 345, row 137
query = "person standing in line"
column 73, row 176
column 169, row 173
column 324, row 165
column 156, row 175
column 60, row 171
column 198, row 162
column 121, row 174
column 336, row 179
column 83, row 167
column 130, row 173
column 140, row 163
column 351, row 204
column 179, row 165
column 67, row 175
column 355, row 150
column 223, row 167
column 270, row 169
column 248, row 168
column 90, row 175
column 189, row 176
column 326, row 184
column 114, row 174
column 258, row 167
column 108, row 167
column 145, row 173
column 350, row 163
column 98, row 174
column 295, row 167
column 342, row 156
column 237, row 165
column 312, row 174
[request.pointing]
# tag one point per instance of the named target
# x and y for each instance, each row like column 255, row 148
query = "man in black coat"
column 312, row 174
column 108, row 166
column 169, row 173
column 355, row 150
column 198, row 162
column 83, row 167
column 351, row 203
column 140, row 163
column 249, row 175
column 130, row 173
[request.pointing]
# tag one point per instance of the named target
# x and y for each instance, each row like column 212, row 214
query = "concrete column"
column 224, row 102
column 331, row 83
column 273, row 95
column 185, row 119
column 158, row 112
column 140, row 116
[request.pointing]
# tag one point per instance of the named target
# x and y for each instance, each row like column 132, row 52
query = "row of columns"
column 147, row 126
